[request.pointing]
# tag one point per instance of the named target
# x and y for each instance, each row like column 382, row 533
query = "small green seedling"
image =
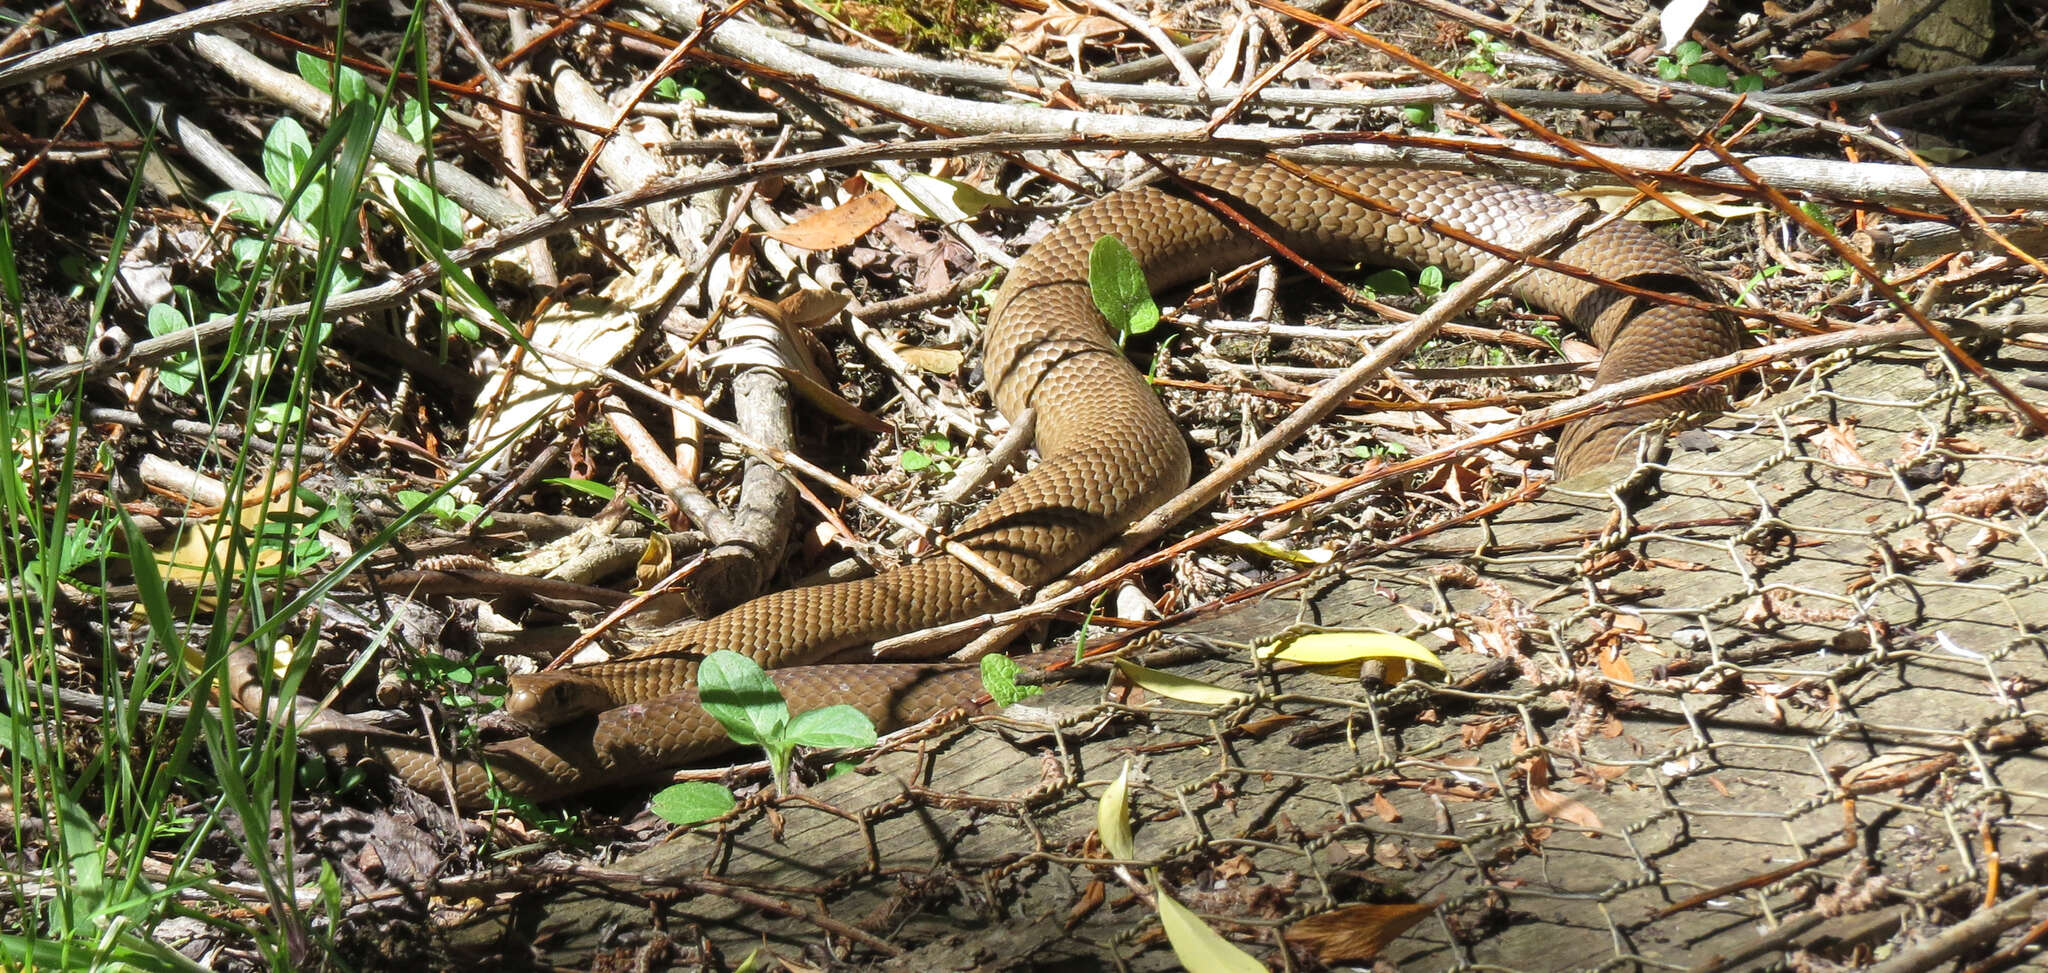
column 444, row 508
column 1485, row 56
column 736, row 692
column 933, row 452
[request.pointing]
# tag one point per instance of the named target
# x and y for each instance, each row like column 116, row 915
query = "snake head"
column 544, row 699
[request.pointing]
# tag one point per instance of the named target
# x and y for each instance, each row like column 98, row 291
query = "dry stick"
column 1654, row 95
column 1026, row 82
column 94, row 47
column 750, row 43
column 1332, row 395
column 652, row 457
column 512, row 141
column 428, row 276
column 1557, row 141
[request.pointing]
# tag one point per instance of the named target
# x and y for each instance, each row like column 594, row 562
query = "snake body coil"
column 1109, row 452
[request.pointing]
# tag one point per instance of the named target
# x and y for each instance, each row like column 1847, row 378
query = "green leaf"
column 430, row 213
column 593, row 488
column 1199, row 947
column 181, row 373
column 832, row 726
column 914, row 461
column 692, row 801
column 1748, row 84
column 1113, row 816
column 1712, row 75
column 1117, row 284
column 999, row 677
column 741, row 697
column 1389, row 282
column 1430, row 282
column 286, row 154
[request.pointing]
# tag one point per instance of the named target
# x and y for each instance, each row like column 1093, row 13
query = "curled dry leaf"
column 1554, row 805
column 1356, row 933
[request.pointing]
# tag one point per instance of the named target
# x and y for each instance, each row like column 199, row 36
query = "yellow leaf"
column 1199, row 948
column 1113, row 816
column 932, row 358
column 1345, row 647
column 1313, row 555
column 1180, row 687
column 945, row 200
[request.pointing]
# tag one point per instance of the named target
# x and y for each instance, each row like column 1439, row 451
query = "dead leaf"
column 830, row 229
column 1837, row 444
column 936, row 359
column 808, row 307
column 1615, row 667
column 1553, row 804
column 1356, row 933
column 1384, row 809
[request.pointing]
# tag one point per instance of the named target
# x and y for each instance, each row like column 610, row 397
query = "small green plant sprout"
column 933, row 452
column 1688, row 61
column 1551, row 336
column 737, row 693
column 1378, row 450
column 1117, row 284
column 444, row 508
column 1485, row 55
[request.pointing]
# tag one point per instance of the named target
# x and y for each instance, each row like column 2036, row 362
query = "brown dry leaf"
column 1391, row 854
column 1090, row 900
column 1615, row 667
column 1384, row 809
column 1832, row 49
column 1034, row 32
column 1553, row 804
column 829, row 229
column 1356, row 933
column 1837, row 443
column 809, row 307
column 1236, row 866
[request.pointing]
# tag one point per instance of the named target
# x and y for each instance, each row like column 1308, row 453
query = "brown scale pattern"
column 1109, row 450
